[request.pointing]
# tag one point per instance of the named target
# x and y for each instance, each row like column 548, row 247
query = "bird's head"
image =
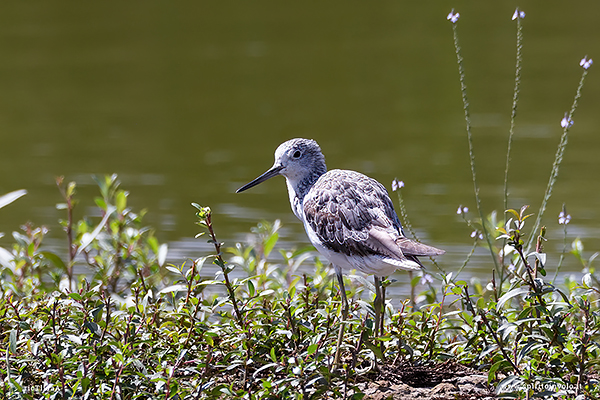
column 295, row 159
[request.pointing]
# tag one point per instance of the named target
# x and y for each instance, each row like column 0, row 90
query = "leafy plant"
column 109, row 319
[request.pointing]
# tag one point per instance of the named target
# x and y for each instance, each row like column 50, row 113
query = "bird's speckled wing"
column 353, row 214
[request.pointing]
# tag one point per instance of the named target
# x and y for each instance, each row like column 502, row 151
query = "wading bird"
column 348, row 217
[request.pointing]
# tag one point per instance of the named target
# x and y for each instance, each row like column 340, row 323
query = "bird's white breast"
column 372, row 264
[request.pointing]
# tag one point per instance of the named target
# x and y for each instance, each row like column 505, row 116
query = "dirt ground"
column 437, row 382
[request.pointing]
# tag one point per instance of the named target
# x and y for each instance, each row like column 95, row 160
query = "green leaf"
column 592, row 258
column 162, row 254
column 71, row 189
column 85, row 383
column 457, row 290
column 88, row 238
column 100, row 203
column 513, row 212
column 7, row 259
column 301, row 251
column 540, row 256
column 570, row 358
column 174, row 288
column 12, row 196
column 75, row 296
column 200, row 263
column 499, row 365
column 251, row 290
column 587, row 280
column 75, row 339
column 270, row 243
column 414, row 281
column 121, row 201
column 270, row 365
column 513, row 293
column 273, row 355
column 528, row 348
column 506, row 329
column 509, row 383
column 490, row 348
column 54, row 259
column 97, row 312
column 12, row 341
column 153, row 243
column 31, row 249
column 312, row 349
column 577, row 249
column 174, row 270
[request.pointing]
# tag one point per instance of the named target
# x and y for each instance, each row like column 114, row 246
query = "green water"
column 187, row 102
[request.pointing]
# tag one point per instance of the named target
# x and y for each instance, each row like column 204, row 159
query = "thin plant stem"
column 560, row 151
column 463, row 89
column 513, row 116
column 406, row 224
column 68, row 196
column 205, row 216
column 434, row 332
column 499, row 344
column 562, row 255
column 564, row 250
column 221, row 263
column 492, row 331
column 513, row 113
column 467, row 259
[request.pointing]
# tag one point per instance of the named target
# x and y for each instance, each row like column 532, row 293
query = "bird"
column 348, row 217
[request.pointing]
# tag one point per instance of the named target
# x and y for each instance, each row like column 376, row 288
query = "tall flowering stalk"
column 518, row 16
column 453, row 17
column 566, row 123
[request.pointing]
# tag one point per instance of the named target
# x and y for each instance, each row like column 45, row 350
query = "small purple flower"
column 566, row 122
column 453, row 17
column 396, row 184
column 462, row 210
column 477, row 234
column 518, row 14
column 425, row 279
column 511, row 267
column 586, row 62
column 564, row 218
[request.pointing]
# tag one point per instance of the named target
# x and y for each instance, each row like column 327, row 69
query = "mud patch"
column 443, row 381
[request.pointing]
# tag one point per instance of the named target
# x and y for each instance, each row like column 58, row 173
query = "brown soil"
column 434, row 382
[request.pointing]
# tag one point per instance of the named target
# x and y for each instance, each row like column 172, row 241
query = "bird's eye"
column 297, row 154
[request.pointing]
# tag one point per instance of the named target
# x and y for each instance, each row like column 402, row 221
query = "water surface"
column 188, row 102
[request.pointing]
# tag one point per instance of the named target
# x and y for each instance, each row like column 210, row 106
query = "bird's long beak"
column 269, row 174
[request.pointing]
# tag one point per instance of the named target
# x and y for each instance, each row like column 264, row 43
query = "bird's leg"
column 377, row 305
column 382, row 306
column 340, row 278
column 338, row 272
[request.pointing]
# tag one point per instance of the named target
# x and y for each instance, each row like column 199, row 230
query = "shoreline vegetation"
column 138, row 328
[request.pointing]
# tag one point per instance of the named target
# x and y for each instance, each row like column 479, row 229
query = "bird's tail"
column 413, row 248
